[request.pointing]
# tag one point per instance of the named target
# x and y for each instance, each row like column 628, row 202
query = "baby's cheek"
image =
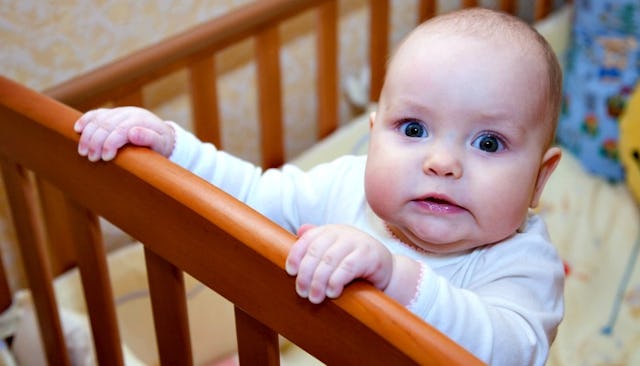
column 380, row 197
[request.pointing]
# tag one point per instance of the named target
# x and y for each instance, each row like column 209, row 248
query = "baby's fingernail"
column 332, row 292
column 302, row 291
column 77, row 127
column 316, row 298
column 93, row 155
column 291, row 269
column 108, row 155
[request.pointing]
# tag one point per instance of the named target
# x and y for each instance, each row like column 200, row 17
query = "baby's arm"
column 104, row 131
column 327, row 258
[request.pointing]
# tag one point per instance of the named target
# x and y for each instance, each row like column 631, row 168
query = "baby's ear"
column 372, row 117
column 549, row 163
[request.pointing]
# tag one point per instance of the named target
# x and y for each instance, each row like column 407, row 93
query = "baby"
column 437, row 215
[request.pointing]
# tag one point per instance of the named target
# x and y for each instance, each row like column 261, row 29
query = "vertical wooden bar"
column 59, row 248
column 426, row 9
column 267, row 43
column 327, row 68
column 378, row 44
column 542, row 9
column 24, row 210
column 6, row 297
column 204, row 100
column 257, row 343
column 508, row 6
column 134, row 98
column 169, row 305
column 469, row 3
column 94, row 273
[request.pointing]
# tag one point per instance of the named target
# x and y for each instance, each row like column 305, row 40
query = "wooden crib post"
column 508, row 6
column 94, row 273
column 30, row 232
column 426, row 9
column 134, row 98
column 257, row 343
column 204, row 100
column 542, row 8
column 6, row 297
column 60, row 252
column 5, row 291
column 378, row 45
column 267, row 44
column 169, row 304
column 327, row 79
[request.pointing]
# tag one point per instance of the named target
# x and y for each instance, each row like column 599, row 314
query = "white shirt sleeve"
column 288, row 196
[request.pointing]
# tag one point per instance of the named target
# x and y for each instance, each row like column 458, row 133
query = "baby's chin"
column 433, row 244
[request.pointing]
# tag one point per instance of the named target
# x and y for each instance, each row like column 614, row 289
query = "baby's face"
column 458, row 151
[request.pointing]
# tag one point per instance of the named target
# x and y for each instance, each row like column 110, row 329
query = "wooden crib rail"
column 188, row 225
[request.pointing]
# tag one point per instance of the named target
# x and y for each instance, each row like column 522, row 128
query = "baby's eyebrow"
column 504, row 123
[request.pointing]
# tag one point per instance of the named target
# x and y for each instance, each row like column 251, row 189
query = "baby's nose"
column 443, row 162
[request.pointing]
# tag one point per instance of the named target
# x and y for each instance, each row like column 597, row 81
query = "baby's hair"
column 487, row 23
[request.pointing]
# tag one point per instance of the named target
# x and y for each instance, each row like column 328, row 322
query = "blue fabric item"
column 601, row 70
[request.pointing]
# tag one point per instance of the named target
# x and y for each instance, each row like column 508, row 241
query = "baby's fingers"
column 114, row 141
column 91, row 141
column 85, row 119
column 298, row 250
column 317, row 268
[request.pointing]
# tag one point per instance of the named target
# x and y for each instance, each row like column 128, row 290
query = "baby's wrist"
column 404, row 279
column 172, row 139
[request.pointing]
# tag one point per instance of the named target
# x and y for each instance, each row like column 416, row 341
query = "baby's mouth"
column 439, row 204
column 438, row 201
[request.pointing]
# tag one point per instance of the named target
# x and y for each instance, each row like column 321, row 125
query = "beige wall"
column 45, row 42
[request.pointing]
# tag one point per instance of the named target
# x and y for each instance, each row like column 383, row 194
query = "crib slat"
column 204, row 100
column 469, row 3
column 6, row 298
column 267, row 44
column 508, row 6
column 169, row 304
column 134, row 98
column 426, row 9
column 24, row 211
column 94, row 274
column 5, row 290
column 327, row 68
column 257, row 343
column 378, row 45
column 59, row 246
column 542, row 8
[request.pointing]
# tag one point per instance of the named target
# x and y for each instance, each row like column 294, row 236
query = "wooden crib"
column 186, row 224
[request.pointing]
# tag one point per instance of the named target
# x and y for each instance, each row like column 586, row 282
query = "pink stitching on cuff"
column 416, row 295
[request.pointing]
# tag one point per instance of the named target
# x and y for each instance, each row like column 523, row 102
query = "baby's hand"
column 327, row 258
column 104, row 131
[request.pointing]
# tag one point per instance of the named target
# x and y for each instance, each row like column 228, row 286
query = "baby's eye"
column 489, row 143
column 413, row 129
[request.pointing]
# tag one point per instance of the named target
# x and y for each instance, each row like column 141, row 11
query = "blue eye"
column 413, row 129
column 489, row 143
